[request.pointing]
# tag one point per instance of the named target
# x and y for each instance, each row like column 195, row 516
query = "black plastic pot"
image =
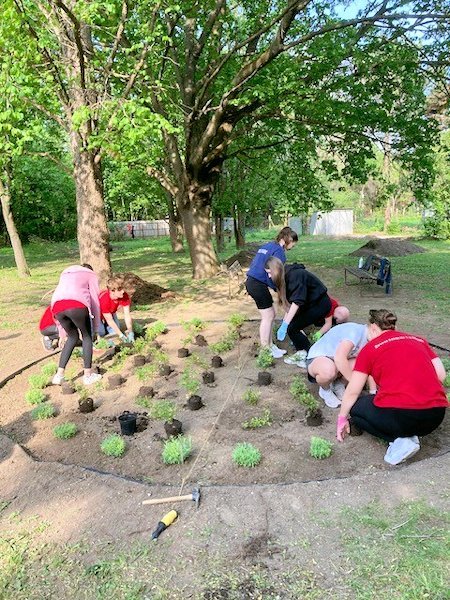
column 195, row 402
column 127, row 422
column 200, row 340
column 183, row 353
column 264, row 378
column 173, row 428
column 314, row 418
column 86, row 405
column 216, row 362
column 208, row 377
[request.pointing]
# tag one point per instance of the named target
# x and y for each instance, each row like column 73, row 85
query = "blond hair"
column 115, row 283
column 276, row 268
column 385, row 319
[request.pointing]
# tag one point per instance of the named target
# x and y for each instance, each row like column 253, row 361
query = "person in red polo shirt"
column 49, row 330
column 338, row 314
column 110, row 300
column 410, row 400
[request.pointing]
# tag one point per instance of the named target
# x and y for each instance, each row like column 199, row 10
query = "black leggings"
column 73, row 320
column 303, row 318
column 391, row 423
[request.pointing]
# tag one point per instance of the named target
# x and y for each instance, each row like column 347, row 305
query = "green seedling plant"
column 35, row 396
column 65, row 431
column 163, row 410
column 139, row 345
column 246, row 455
column 158, row 356
column 120, row 358
column 102, row 344
column 264, row 358
column 138, row 329
column 301, row 394
column 113, row 445
column 226, row 343
column 49, row 369
column 195, row 360
column 83, row 391
column 192, row 328
column 236, row 320
column 256, row 422
column 446, row 363
column 152, row 331
column 146, row 372
column 251, row 397
column 77, row 353
column 320, row 448
column 38, row 381
column 43, row 411
column 189, row 381
column 144, row 401
column 176, row 450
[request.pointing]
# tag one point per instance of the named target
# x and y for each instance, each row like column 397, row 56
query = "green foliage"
column 193, row 328
column 300, row 393
column 146, row 372
column 138, row 329
column 196, row 360
column 190, row 381
column 154, row 330
column 49, row 369
column 320, row 448
column 35, row 396
column 177, row 450
column 102, row 344
column 246, row 455
column 251, row 397
column 43, row 411
column 120, row 358
column 226, row 343
column 143, row 401
column 163, row 410
column 113, row 445
column 139, row 345
column 158, row 356
column 236, row 320
column 38, row 381
column 264, row 358
column 65, row 431
column 256, row 422
column 83, row 392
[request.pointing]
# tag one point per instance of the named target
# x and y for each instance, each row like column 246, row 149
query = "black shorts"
column 259, row 292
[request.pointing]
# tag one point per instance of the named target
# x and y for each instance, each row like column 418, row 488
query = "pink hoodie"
column 81, row 284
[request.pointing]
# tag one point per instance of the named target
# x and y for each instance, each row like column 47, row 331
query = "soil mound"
column 144, row 292
column 388, row 247
column 245, row 256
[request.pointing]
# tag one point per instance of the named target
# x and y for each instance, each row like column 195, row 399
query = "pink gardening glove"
column 342, row 428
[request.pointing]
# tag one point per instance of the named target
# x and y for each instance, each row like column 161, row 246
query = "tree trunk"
column 195, row 211
column 239, row 228
column 218, row 220
column 175, row 226
column 19, row 256
column 92, row 228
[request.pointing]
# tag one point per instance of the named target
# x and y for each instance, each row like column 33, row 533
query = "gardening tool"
column 194, row 496
column 164, row 523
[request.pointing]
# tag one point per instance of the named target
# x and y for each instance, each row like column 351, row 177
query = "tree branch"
column 163, row 179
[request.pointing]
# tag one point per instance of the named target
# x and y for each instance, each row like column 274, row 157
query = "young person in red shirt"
column 49, row 330
column 338, row 314
column 410, row 400
column 110, row 300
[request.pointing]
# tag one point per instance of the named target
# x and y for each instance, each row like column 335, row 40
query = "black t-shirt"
column 302, row 287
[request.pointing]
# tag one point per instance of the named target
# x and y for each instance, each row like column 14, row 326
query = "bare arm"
column 352, row 391
column 439, row 368
column 128, row 319
column 326, row 326
column 109, row 319
column 341, row 358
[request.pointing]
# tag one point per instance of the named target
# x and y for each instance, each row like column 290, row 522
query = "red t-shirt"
column 108, row 305
column 46, row 319
column 61, row 305
column 401, row 365
column 334, row 305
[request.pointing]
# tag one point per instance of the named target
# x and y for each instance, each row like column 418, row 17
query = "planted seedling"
column 320, row 448
column 192, row 328
column 49, row 369
column 189, row 381
column 144, row 401
column 65, row 431
column 301, row 394
column 113, row 445
column 163, row 410
column 38, row 381
column 120, row 358
column 265, row 358
column 256, row 422
column 176, row 450
column 236, row 320
column 102, row 344
column 152, row 331
column 43, row 411
column 146, row 372
column 251, row 397
column 139, row 345
column 246, row 455
column 196, row 360
column 226, row 342
column 35, row 396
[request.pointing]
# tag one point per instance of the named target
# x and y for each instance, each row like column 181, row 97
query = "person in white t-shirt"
column 333, row 356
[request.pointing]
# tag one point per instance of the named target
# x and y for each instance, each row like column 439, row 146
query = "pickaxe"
column 194, row 496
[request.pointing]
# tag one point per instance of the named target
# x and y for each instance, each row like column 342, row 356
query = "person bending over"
column 49, row 330
column 410, row 401
column 110, row 300
column 259, row 281
column 337, row 315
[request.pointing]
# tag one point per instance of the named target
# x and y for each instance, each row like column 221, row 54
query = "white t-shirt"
column 328, row 343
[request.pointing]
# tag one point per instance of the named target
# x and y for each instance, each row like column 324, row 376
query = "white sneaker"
column 47, row 343
column 92, row 378
column 299, row 359
column 277, row 352
column 57, row 379
column 338, row 388
column 329, row 397
column 401, row 449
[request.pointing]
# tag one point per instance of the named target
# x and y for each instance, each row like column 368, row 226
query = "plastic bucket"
column 127, row 421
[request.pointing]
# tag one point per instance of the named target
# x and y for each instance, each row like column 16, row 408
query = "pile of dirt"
column 144, row 292
column 388, row 247
column 244, row 256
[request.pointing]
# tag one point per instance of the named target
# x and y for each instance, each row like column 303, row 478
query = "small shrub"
column 236, row 320
column 189, row 381
column 196, row 360
column 251, row 396
column 152, row 331
column 176, row 450
column 301, row 393
column 38, row 381
column 256, row 422
column 146, row 372
column 49, row 369
column 193, row 328
column 102, row 344
column 113, row 445
column 226, row 343
column 35, row 396
column 158, row 356
column 120, row 358
column 65, row 431
column 264, row 358
column 43, row 411
column 77, row 353
column 246, row 455
column 163, row 410
column 139, row 345
column 144, row 401
column 320, row 448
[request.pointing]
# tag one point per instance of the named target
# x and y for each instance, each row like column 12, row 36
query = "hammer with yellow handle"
column 194, row 496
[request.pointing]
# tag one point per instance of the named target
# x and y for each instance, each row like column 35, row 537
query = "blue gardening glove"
column 316, row 337
column 281, row 333
column 123, row 337
column 130, row 337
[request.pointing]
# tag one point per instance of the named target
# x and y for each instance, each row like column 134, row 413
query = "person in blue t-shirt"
column 258, row 284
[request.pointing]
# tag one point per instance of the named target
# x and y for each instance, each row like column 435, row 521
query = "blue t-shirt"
column 257, row 270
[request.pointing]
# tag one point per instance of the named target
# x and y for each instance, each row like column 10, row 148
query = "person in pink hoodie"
column 75, row 305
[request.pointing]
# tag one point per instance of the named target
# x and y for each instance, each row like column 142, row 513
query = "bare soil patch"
column 388, row 247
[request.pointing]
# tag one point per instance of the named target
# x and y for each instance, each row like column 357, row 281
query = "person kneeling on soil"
column 49, row 330
column 110, row 300
column 334, row 355
column 337, row 315
column 410, row 401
